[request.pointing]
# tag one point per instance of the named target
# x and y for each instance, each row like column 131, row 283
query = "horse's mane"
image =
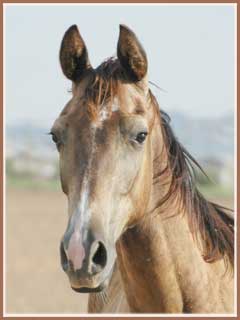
column 215, row 226
column 104, row 85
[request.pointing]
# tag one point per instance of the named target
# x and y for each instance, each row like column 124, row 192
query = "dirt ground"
column 35, row 282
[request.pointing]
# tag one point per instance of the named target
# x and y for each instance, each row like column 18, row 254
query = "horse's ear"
column 73, row 54
column 131, row 54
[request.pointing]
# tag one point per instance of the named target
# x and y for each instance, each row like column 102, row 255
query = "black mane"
column 216, row 227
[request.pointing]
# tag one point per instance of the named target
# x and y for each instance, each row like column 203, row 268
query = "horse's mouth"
column 89, row 290
column 99, row 288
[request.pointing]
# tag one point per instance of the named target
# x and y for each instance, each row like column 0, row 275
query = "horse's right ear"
column 73, row 54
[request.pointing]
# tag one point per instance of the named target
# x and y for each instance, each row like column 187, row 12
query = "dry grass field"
column 35, row 282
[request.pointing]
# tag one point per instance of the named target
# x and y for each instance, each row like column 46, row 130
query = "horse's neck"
column 152, row 256
column 163, row 270
column 147, row 253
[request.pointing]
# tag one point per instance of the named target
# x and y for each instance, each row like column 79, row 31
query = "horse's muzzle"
column 88, row 265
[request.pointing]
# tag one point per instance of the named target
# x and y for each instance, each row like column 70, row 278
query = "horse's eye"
column 55, row 139
column 141, row 137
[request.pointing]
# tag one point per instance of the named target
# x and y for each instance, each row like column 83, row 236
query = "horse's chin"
column 99, row 288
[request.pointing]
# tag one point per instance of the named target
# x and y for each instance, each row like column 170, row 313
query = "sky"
column 190, row 50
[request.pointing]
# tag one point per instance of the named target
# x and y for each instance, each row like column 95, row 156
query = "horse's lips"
column 89, row 289
column 99, row 288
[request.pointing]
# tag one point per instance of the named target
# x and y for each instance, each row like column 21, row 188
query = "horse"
column 140, row 238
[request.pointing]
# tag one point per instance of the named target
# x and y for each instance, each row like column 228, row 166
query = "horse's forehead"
column 127, row 100
column 130, row 97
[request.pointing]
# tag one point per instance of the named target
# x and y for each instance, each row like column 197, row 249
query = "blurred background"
column 191, row 54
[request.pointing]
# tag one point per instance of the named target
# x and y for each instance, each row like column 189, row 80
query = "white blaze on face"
column 104, row 112
column 115, row 106
column 79, row 222
column 82, row 214
column 83, row 205
column 83, row 208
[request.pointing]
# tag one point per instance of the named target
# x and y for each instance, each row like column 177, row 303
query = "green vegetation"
column 31, row 183
column 211, row 186
column 210, row 190
column 27, row 179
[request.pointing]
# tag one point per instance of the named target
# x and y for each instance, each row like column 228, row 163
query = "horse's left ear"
column 131, row 54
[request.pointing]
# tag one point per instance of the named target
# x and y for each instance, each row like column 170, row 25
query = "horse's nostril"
column 99, row 258
column 64, row 259
column 94, row 264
